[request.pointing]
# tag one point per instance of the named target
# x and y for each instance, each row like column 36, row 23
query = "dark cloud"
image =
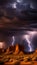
column 21, row 15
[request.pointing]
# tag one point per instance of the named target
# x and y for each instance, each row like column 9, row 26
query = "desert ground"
column 17, row 57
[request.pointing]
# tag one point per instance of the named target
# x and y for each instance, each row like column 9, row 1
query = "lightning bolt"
column 29, row 43
column 13, row 40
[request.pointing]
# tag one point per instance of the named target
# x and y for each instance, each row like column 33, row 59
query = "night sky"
column 28, row 40
column 18, row 13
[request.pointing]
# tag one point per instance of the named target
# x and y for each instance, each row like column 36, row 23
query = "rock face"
column 10, row 49
column 2, row 51
column 17, row 50
column 13, row 49
column 14, row 55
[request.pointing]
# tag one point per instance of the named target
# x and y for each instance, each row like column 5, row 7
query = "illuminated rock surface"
column 20, row 58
